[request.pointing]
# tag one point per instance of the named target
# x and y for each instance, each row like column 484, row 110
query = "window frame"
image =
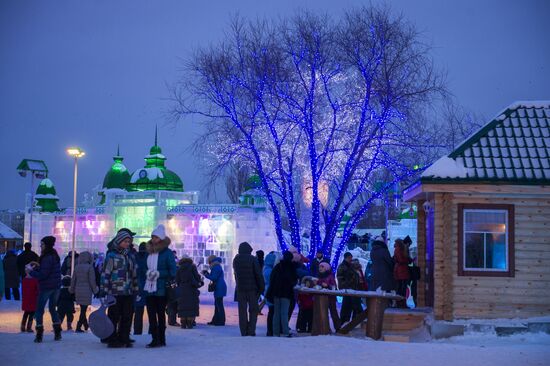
column 510, row 272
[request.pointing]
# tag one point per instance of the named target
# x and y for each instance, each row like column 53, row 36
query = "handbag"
column 212, row 286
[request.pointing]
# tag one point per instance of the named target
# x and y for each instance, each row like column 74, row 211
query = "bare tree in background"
column 317, row 107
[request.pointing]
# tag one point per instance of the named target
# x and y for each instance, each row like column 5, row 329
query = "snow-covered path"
column 223, row 346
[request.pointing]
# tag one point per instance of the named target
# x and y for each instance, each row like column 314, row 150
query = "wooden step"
column 404, row 338
column 401, row 321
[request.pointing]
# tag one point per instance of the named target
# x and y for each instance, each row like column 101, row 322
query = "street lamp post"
column 76, row 153
column 38, row 169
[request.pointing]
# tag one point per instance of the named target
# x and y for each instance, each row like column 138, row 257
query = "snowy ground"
column 222, row 345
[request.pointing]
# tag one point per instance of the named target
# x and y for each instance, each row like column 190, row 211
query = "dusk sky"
column 94, row 73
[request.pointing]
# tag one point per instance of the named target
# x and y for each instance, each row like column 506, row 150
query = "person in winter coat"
column 172, row 304
column 119, row 279
column 300, row 262
column 360, row 285
column 220, row 289
column 29, row 289
column 66, row 265
column 65, row 303
column 139, row 303
column 326, row 281
column 347, row 279
column 382, row 266
column 161, row 270
column 189, row 281
column 319, row 258
column 281, row 290
column 305, row 306
column 48, row 273
column 2, row 284
column 401, row 273
column 27, row 256
column 249, row 285
column 83, row 286
column 271, row 260
column 12, row 277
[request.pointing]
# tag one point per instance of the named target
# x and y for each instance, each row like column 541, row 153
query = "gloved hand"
column 152, row 275
column 204, row 272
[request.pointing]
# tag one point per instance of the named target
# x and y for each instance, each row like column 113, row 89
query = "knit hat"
column 120, row 236
column 380, row 238
column 48, row 241
column 407, row 240
column 159, row 232
column 324, row 267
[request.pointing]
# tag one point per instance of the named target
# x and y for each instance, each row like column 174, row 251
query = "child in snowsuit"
column 30, row 298
column 65, row 304
column 305, row 305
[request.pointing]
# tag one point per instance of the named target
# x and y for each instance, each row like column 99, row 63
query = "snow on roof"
column 120, row 167
column 46, row 182
column 157, row 156
column 150, row 174
column 447, row 167
column 7, row 233
column 515, row 146
column 46, row 197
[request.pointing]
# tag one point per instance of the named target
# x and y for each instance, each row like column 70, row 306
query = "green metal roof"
column 513, row 148
column 154, row 176
column 118, row 176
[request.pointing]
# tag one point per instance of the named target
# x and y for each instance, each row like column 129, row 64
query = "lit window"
column 486, row 240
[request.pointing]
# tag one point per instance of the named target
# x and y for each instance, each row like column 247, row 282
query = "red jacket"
column 328, row 281
column 30, row 294
column 362, row 283
column 305, row 301
column 401, row 267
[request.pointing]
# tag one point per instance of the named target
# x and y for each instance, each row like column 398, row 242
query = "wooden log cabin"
column 484, row 232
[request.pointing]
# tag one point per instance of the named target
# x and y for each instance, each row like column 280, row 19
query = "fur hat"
column 159, row 232
column 324, row 267
column 48, row 241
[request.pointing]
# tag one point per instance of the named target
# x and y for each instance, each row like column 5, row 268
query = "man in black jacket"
column 347, row 278
column 25, row 258
column 249, row 285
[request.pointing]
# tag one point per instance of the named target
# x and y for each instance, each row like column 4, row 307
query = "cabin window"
column 486, row 240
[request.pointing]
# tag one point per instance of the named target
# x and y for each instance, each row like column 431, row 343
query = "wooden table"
column 376, row 305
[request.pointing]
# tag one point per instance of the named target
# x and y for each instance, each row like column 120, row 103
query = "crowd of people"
column 151, row 278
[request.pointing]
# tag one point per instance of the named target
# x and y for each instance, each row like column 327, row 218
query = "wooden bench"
column 376, row 304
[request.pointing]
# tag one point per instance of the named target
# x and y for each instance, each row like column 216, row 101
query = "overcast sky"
column 94, row 73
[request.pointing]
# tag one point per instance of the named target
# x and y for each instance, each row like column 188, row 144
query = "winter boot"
column 39, row 333
column 162, row 337
column 57, row 332
column 154, row 343
column 190, row 322
column 23, row 324
column 79, row 327
column 86, row 325
column 69, row 326
column 29, row 325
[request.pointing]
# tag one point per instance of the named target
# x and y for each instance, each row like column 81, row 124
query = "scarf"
column 152, row 273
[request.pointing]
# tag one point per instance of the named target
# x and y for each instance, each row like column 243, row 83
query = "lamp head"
column 76, row 152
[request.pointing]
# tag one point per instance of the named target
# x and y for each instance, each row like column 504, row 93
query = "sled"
column 100, row 324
